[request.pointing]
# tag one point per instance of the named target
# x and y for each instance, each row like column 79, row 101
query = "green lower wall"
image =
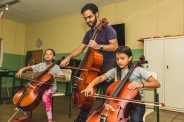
column 58, row 56
column 137, row 53
column 13, row 62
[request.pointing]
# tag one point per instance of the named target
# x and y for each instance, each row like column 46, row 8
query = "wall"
column 13, row 34
column 142, row 18
column 63, row 34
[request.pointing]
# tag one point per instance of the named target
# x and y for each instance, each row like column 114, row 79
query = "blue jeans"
column 137, row 114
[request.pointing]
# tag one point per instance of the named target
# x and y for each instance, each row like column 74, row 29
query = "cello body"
column 115, row 110
column 120, row 109
column 93, row 63
column 30, row 97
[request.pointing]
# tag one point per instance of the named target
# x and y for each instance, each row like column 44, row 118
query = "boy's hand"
column 19, row 73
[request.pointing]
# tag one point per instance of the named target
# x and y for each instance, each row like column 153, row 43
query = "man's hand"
column 94, row 45
column 65, row 62
column 88, row 91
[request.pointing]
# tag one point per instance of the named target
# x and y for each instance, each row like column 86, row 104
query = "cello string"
column 121, row 84
column 34, row 80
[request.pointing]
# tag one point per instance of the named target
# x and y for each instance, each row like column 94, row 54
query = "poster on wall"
column 34, row 57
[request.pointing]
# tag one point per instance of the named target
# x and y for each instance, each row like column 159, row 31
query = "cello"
column 114, row 110
column 92, row 61
column 30, row 97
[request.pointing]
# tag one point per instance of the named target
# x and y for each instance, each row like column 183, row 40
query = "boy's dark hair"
column 90, row 6
column 128, row 52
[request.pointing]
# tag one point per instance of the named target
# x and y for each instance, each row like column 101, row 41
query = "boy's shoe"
column 22, row 120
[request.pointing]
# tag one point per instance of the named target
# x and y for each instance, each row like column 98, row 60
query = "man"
column 106, row 43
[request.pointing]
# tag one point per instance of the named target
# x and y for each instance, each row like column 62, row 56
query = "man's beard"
column 94, row 23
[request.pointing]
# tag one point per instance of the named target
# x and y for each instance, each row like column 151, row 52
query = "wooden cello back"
column 30, row 97
column 92, row 61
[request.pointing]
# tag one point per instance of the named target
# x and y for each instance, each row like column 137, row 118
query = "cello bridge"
column 108, row 107
column 78, row 78
column 30, row 85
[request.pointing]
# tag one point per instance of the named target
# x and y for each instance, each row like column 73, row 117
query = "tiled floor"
column 61, row 113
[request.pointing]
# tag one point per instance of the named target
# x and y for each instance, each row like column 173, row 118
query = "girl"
column 123, row 61
column 49, row 56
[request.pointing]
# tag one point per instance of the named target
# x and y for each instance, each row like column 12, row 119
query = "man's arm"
column 112, row 46
column 75, row 53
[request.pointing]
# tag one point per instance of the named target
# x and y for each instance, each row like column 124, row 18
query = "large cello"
column 114, row 110
column 92, row 61
column 30, row 97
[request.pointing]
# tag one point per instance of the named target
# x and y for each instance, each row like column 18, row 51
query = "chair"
column 67, row 81
column 156, row 99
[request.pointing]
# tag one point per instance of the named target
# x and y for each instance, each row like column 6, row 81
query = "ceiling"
column 30, row 11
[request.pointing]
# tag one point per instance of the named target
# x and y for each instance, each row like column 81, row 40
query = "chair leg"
column 157, row 109
column 69, row 106
column 52, row 99
column 70, row 95
column 156, row 99
column 66, row 92
column 31, row 114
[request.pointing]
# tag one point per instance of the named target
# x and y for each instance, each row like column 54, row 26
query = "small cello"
column 114, row 110
column 30, row 97
column 92, row 61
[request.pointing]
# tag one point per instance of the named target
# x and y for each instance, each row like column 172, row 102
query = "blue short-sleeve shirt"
column 137, row 75
column 107, row 33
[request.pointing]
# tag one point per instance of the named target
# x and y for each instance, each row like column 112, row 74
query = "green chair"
column 67, row 81
column 156, row 99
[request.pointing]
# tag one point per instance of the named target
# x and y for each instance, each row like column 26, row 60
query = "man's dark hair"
column 90, row 6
